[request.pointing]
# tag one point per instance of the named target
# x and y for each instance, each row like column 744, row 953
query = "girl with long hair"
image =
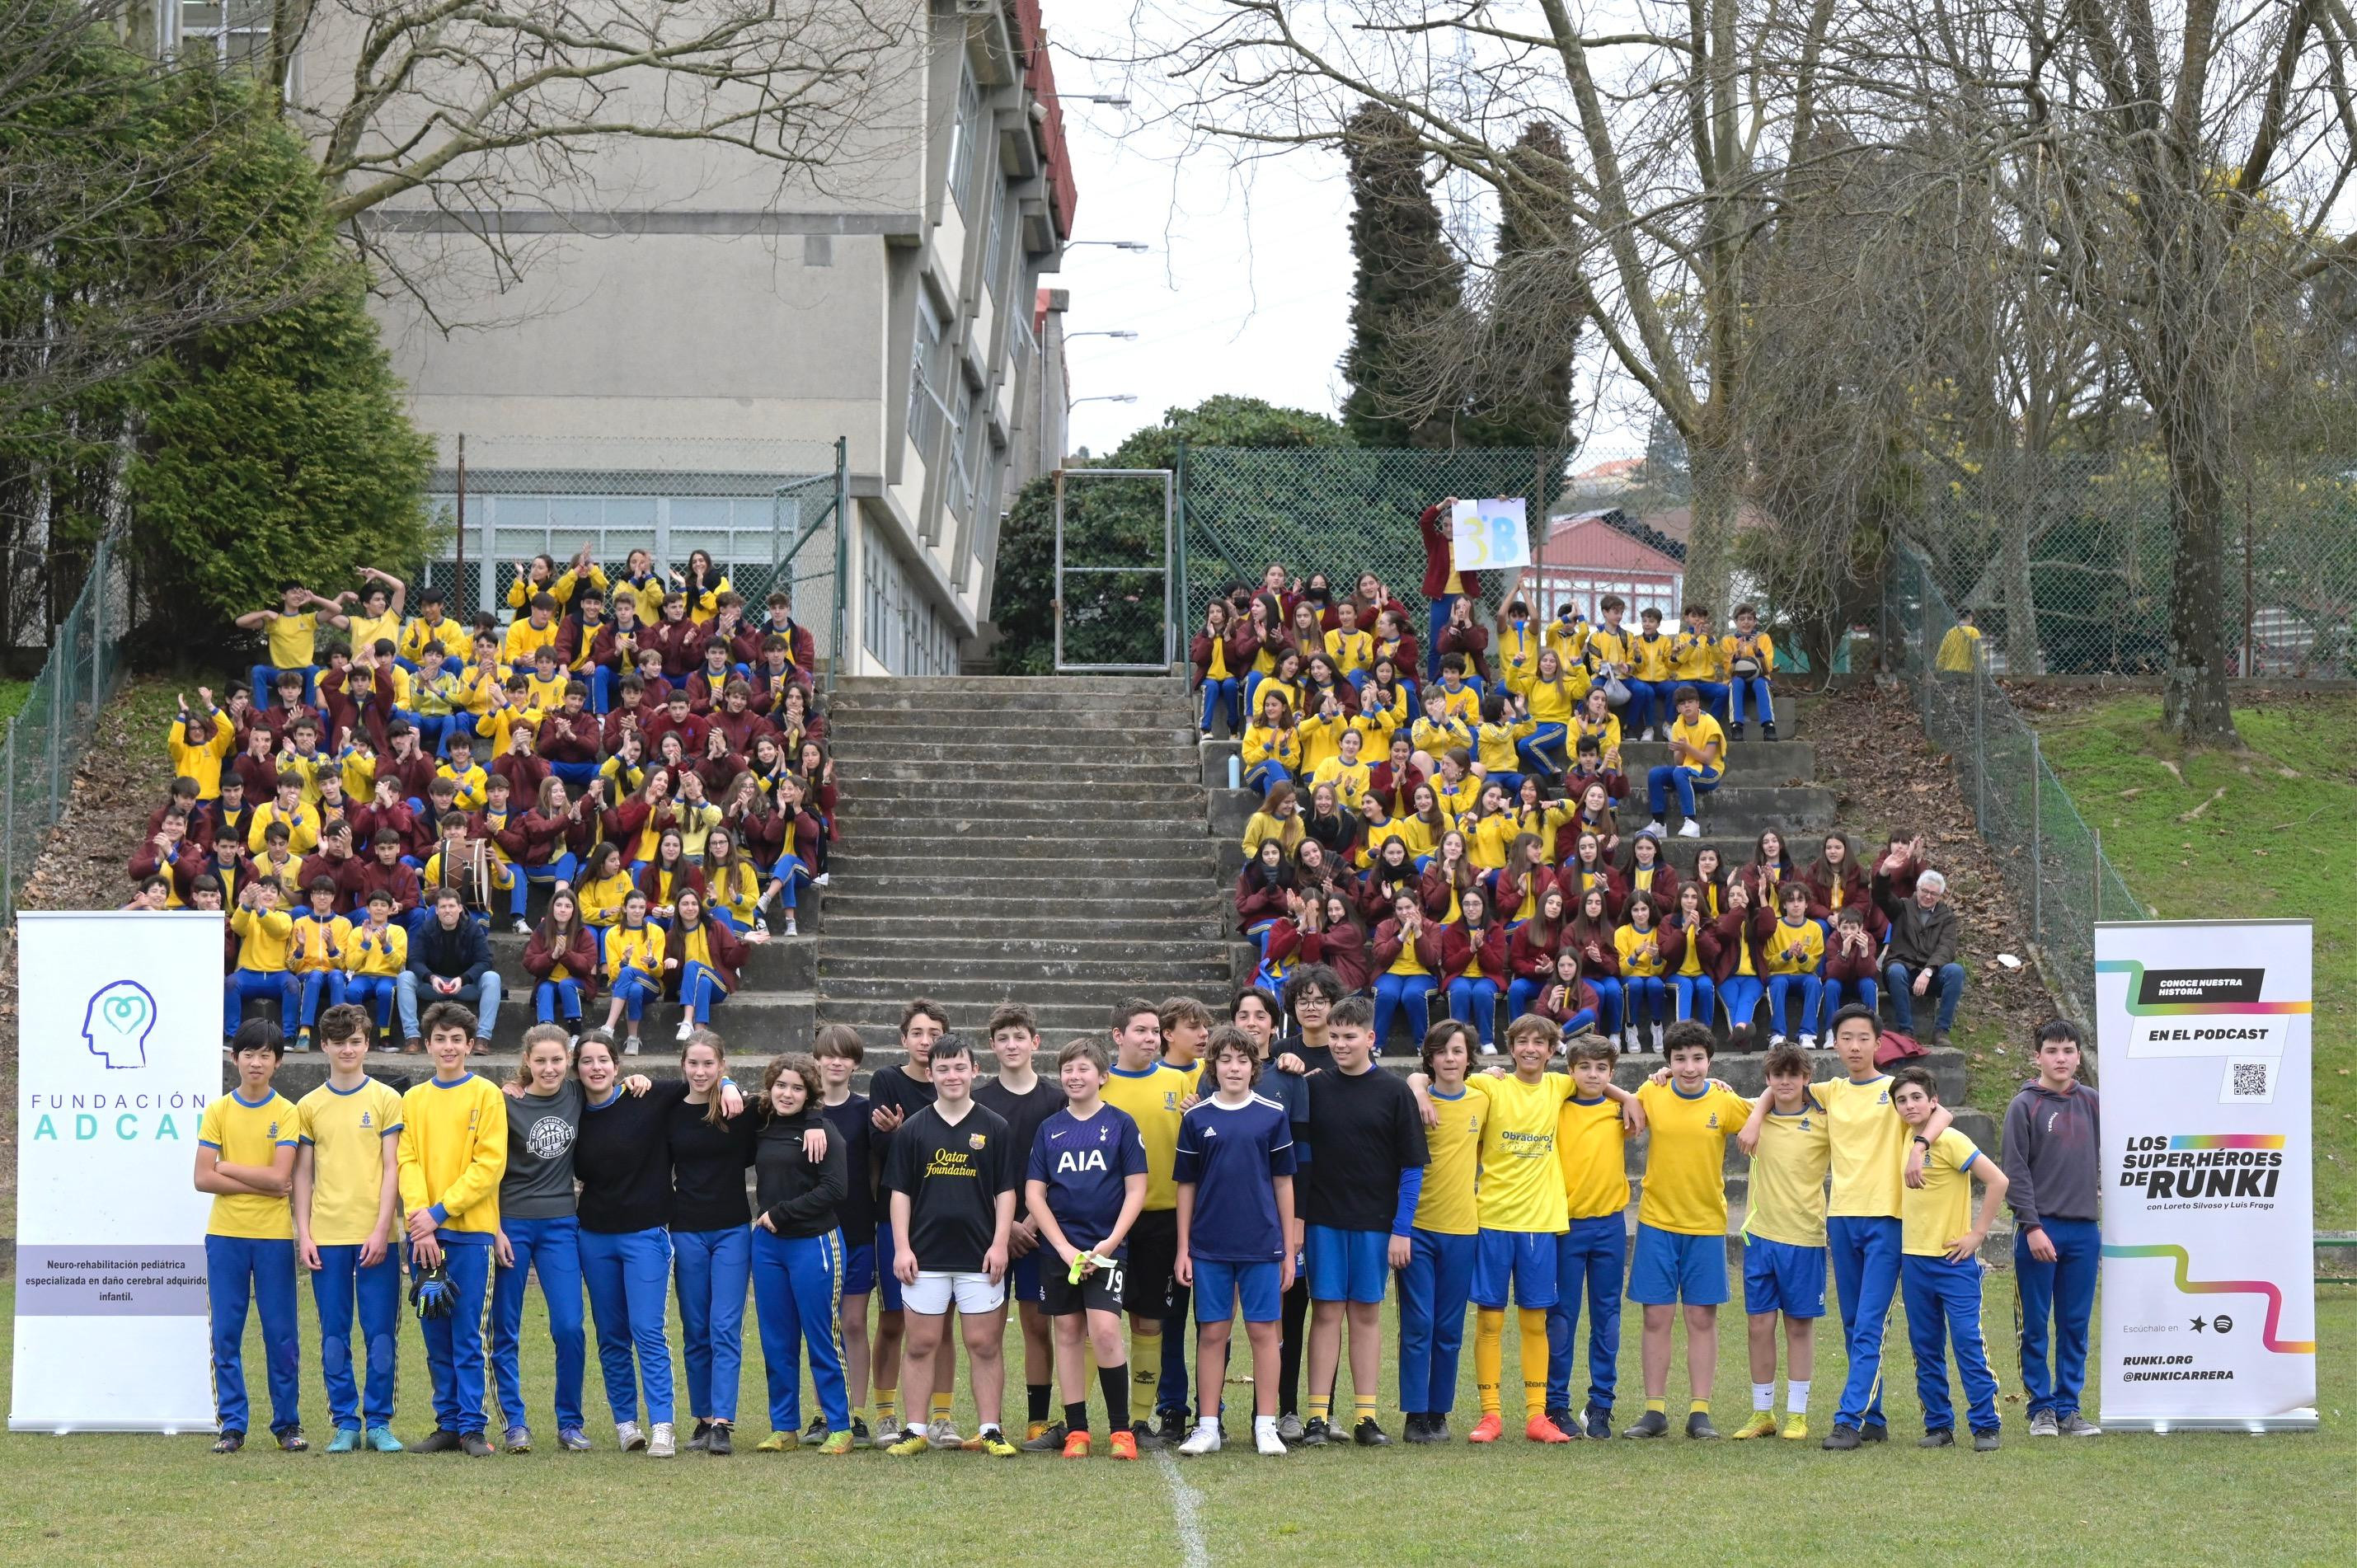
column 1472, row 963
column 701, row 959
column 1407, row 961
column 1639, row 947
column 562, row 959
column 1690, row 941
column 1531, row 950
column 1593, row 936
column 799, row 1254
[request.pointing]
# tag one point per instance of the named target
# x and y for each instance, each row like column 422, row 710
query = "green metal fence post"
column 841, row 557
column 1980, row 753
column 2037, row 841
column 57, row 728
column 1178, row 501
column 2098, row 869
column 8, row 853
column 98, row 629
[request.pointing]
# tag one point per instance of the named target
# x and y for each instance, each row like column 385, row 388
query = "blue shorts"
column 1347, row 1265
column 1218, row 1285
column 888, row 1283
column 1522, row 1259
column 1666, row 1268
column 859, row 1265
column 1780, row 1277
column 1023, row 1275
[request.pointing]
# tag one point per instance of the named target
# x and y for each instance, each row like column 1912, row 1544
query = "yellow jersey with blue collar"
column 1437, row 740
column 1788, row 1176
column 1870, row 1146
column 345, row 1131
column 1686, row 1159
column 1591, row 1147
column 1460, row 703
column 454, row 641
column 1696, row 656
column 1156, row 1100
column 1518, row 656
column 1351, row 651
column 202, row 761
column 454, row 1150
column 262, row 939
column 1652, row 652
column 1449, row 1204
column 1610, row 646
column 250, row 1133
column 1932, row 1217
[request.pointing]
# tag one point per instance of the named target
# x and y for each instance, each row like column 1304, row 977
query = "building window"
column 902, row 631
column 993, row 259
column 966, row 143
column 925, row 409
column 961, row 478
column 236, row 32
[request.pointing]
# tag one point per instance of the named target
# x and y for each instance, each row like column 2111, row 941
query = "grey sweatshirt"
column 2052, row 1153
column 541, row 1130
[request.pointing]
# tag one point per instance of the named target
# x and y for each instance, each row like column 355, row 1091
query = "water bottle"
column 1236, row 770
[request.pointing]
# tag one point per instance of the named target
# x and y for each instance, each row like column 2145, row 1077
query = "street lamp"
column 1124, row 335
column 1138, row 245
column 1111, row 99
column 1104, row 397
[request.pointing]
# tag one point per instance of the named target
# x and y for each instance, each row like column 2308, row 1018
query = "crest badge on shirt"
column 976, row 1140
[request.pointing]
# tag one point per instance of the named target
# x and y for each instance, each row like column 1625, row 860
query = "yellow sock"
column 1489, row 1355
column 1322, row 1407
column 1659, row 1407
column 888, row 1409
column 1144, row 1354
column 1363, row 1407
column 1534, row 1360
column 941, row 1407
column 1698, row 1407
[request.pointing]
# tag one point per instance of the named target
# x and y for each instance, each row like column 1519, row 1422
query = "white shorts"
column 932, row 1294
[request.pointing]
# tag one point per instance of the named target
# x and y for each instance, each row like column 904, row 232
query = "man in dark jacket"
column 1921, row 962
column 450, row 960
column 1443, row 584
column 2052, row 1147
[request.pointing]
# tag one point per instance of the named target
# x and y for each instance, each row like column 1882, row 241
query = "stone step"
column 1061, row 925
column 1031, row 839
column 1091, row 996
column 781, row 963
column 864, row 686
column 1030, row 726
column 1104, row 944
column 863, row 750
column 911, row 804
column 1111, row 879
column 773, row 1018
column 1039, row 857
column 913, row 973
column 1020, row 912
column 1140, row 709
column 946, row 790
column 1091, row 773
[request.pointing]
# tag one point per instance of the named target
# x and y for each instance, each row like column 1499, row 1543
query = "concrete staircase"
column 1039, row 841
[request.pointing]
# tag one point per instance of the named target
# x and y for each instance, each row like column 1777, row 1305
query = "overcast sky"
column 1247, row 287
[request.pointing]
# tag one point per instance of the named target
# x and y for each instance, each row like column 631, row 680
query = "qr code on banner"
column 2249, row 1080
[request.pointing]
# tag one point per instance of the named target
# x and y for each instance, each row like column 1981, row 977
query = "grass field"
column 2118, row 1499
column 2277, row 836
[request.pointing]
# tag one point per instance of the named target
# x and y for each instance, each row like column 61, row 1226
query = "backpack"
column 1894, row 1047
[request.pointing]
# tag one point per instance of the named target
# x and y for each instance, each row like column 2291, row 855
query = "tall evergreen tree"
column 1535, row 304
column 1404, row 271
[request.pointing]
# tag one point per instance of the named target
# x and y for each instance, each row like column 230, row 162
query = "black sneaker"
column 1416, row 1427
column 1599, row 1423
column 1874, row 1431
column 1699, row 1425
column 1767, row 730
column 1842, row 1439
column 1985, row 1442
column 1366, row 1434
column 475, row 1445
column 1939, row 1437
column 1652, row 1424
column 443, row 1441
column 1050, row 1441
column 860, row 1436
column 1734, row 733
column 816, row 1432
column 291, row 1440
column 1439, row 1429
column 1315, row 1433
column 1146, row 1442
column 1171, row 1427
column 718, row 1444
column 1565, row 1421
column 702, row 1439
column 229, row 1442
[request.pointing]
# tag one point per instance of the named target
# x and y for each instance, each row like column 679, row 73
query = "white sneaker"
column 820, row 880
column 630, row 1046
column 1265, row 1437
column 944, row 1434
column 1489, row 1050
column 1775, row 1040
column 574, row 1043
column 1690, row 829
column 790, row 929
column 1808, row 1042
column 523, row 929
column 1658, row 1031
column 686, row 1028
column 1656, row 829
column 661, row 1445
column 628, row 1437
column 1206, row 1440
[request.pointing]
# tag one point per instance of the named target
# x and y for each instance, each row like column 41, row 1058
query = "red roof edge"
column 1039, row 76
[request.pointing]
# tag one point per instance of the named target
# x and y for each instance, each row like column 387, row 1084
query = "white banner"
column 2209, row 1291
column 118, row 1053
column 1489, row 535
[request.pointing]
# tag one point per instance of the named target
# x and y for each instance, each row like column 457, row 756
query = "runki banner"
column 118, row 1052
column 2208, row 1292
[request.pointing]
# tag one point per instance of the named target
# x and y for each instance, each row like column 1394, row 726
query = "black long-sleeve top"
column 803, row 1198
column 708, row 1167
column 623, row 1158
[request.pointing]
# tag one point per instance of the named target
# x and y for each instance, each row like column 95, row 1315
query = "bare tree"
column 2189, row 167
column 450, row 114
column 1678, row 119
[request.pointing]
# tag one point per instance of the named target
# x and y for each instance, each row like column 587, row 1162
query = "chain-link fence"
column 1113, row 549
column 1339, row 510
column 766, row 512
column 2055, row 861
column 2067, row 560
column 46, row 739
